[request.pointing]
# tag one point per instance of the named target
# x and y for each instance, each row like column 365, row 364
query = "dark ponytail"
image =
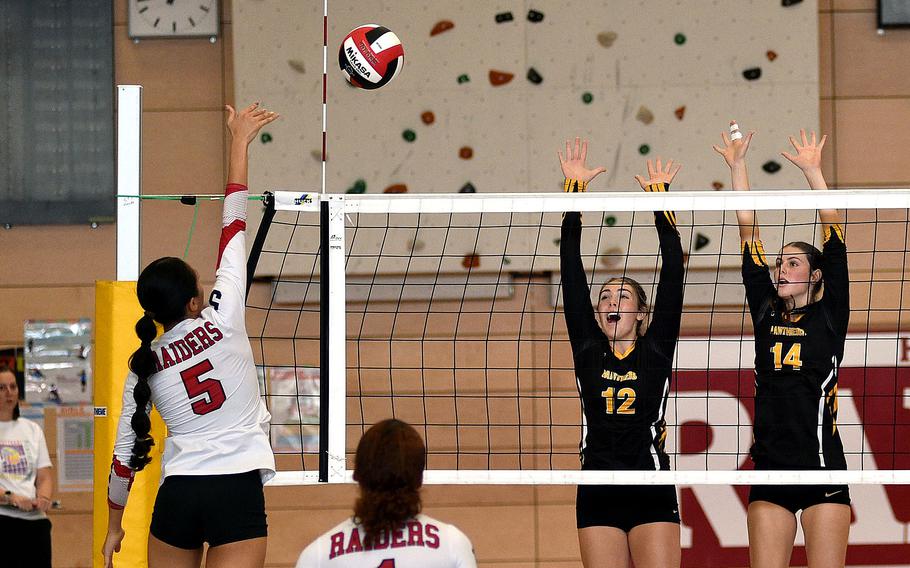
column 164, row 288
column 142, row 364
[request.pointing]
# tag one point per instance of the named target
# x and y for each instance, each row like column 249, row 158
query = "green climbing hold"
column 644, row 149
column 463, row 78
column 587, row 98
column 265, row 137
column 409, row 135
column 360, row 186
column 609, row 220
column 679, row 39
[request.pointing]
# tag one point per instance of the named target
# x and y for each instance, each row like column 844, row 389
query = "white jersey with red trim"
column 206, row 387
column 423, row 542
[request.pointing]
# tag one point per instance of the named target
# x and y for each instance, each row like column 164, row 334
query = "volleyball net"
column 445, row 311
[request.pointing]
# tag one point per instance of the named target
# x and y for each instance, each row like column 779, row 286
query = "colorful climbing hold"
column 265, row 137
column 468, row 188
column 463, row 78
column 606, row 39
column 503, row 17
column 752, row 73
column 644, row 149
column 644, row 115
column 506, row 260
column 360, row 186
column 771, row 167
column 679, row 39
column 499, row 78
column 188, row 200
column 396, row 188
column 609, row 220
column 428, row 117
column 470, row 260
column 587, row 98
column 535, row 16
column 771, row 55
column 409, row 135
column 556, row 241
column 441, row 26
column 416, row 245
column 701, row 241
column 612, row 256
column 534, row 76
column 788, row 3
column 465, row 152
column 316, row 155
column 297, row 65
column 680, row 112
column 717, row 185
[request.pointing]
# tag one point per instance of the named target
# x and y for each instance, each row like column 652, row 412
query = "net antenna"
column 385, row 254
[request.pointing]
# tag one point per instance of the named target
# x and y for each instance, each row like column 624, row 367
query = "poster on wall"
column 75, row 442
column 294, row 405
column 58, row 366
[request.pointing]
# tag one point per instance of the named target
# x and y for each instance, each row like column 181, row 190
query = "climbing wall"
column 490, row 91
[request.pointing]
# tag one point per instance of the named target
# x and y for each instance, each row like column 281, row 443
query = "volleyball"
column 370, row 56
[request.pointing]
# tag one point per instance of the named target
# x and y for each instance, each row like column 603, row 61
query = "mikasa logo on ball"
column 362, row 67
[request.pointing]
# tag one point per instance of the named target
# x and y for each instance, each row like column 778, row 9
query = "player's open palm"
column 734, row 151
column 573, row 163
column 809, row 153
column 245, row 124
column 659, row 173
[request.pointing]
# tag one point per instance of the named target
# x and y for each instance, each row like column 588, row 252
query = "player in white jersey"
column 201, row 377
column 387, row 529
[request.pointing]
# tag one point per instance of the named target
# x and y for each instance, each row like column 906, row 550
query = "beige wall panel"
column 71, row 540
column 294, row 529
column 865, row 134
column 77, row 253
column 49, row 303
column 825, row 47
column 555, row 538
column 826, row 115
column 824, row 5
column 505, row 539
column 864, row 60
column 843, row 5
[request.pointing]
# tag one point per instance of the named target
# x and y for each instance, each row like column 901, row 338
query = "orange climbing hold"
column 499, row 78
column 442, row 26
column 717, row 185
column 397, row 188
column 470, row 260
column 772, row 55
column 428, row 117
column 680, row 112
column 465, row 152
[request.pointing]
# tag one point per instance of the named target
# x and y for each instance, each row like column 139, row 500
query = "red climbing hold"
column 772, row 55
column 680, row 112
column 470, row 261
column 442, row 26
column 397, row 188
column 428, row 117
column 499, row 78
column 465, row 153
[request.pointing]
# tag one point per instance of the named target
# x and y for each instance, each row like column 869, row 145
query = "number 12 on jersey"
column 626, row 397
column 791, row 358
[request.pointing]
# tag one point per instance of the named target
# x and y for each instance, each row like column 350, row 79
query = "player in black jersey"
column 800, row 321
column 622, row 368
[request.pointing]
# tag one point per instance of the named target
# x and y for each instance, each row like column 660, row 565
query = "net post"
column 332, row 372
column 129, row 179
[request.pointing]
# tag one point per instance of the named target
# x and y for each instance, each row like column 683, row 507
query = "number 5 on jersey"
column 196, row 386
column 791, row 358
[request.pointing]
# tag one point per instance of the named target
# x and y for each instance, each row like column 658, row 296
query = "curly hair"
column 389, row 467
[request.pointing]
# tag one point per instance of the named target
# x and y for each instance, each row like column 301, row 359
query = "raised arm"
column 577, row 308
column 668, row 303
column 229, row 293
column 808, row 158
column 734, row 153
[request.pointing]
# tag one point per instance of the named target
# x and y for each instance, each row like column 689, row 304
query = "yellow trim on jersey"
column 658, row 187
column 837, row 229
column 757, row 250
column 671, row 217
column 574, row 186
column 624, row 355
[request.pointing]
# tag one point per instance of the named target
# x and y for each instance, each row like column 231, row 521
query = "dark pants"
column 27, row 543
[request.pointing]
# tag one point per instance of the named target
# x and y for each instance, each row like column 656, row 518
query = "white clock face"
column 177, row 17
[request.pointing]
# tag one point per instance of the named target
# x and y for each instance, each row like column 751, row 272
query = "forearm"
column 44, row 484
column 114, row 519
column 748, row 230
column 238, row 169
column 816, row 180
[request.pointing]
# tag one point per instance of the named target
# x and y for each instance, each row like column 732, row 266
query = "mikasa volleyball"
column 370, row 56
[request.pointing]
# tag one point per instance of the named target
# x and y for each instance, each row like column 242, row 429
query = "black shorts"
column 625, row 506
column 798, row 497
column 217, row 509
column 29, row 542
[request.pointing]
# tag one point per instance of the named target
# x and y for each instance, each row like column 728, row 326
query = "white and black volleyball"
column 370, row 56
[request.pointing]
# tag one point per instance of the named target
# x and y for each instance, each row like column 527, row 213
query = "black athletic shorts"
column 217, row 509
column 625, row 506
column 797, row 497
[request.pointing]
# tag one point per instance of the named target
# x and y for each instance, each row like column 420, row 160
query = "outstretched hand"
column 245, row 125
column 657, row 173
column 734, row 151
column 112, row 543
column 573, row 164
column 809, row 154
